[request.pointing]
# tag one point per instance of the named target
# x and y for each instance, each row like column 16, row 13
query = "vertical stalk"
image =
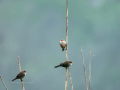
column 84, row 69
column 20, row 71
column 66, row 40
column 70, row 79
column 89, row 68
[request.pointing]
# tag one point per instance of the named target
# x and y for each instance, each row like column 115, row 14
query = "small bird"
column 63, row 44
column 65, row 64
column 20, row 75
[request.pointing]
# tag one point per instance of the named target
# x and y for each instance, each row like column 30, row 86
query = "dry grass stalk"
column 20, row 71
column 66, row 27
column 3, row 83
column 70, row 79
column 84, row 69
column 89, row 68
column 66, row 80
column 66, row 39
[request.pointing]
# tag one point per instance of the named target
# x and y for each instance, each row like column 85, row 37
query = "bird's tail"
column 14, row 79
column 62, row 49
column 57, row 66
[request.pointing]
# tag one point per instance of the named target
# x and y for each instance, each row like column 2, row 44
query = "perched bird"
column 63, row 44
column 20, row 75
column 65, row 64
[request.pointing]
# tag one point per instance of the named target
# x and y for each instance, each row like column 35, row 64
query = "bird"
column 63, row 44
column 65, row 64
column 20, row 75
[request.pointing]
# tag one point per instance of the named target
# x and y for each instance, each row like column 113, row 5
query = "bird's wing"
column 20, row 75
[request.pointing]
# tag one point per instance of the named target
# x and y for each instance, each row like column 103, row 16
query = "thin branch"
column 66, row 39
column 70, row 79
column 66, row 28
column 89, row 68
column 66, row 80
column 84, row 69
column 20, row 71
column 3, row 83
column 19, row 63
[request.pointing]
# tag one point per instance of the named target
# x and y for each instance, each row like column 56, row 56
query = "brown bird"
column 20, row 75
column 65, row 64
column 63, row 44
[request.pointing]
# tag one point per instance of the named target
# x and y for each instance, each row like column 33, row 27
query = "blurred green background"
column 33, row 29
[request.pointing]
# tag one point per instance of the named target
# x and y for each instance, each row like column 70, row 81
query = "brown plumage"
column 20, row 75
column 65, row 64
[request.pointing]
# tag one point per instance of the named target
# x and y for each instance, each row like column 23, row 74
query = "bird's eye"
column 71, row 62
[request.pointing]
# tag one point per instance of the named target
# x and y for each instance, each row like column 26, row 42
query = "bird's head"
column 25, row 72
column 61, row 40
column 71, row 62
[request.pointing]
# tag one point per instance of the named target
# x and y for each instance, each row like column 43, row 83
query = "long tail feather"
column 14, row 79
column 57, row 66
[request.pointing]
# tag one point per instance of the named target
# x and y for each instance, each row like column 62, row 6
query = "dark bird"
column 20, row 75
column 65, row 64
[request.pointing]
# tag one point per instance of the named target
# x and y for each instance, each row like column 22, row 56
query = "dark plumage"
column 65, row 64
column 20, row 75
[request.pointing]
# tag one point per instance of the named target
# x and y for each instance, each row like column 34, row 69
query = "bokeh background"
column 32, row 30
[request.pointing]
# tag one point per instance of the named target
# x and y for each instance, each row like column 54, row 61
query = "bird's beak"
column 71, row 63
